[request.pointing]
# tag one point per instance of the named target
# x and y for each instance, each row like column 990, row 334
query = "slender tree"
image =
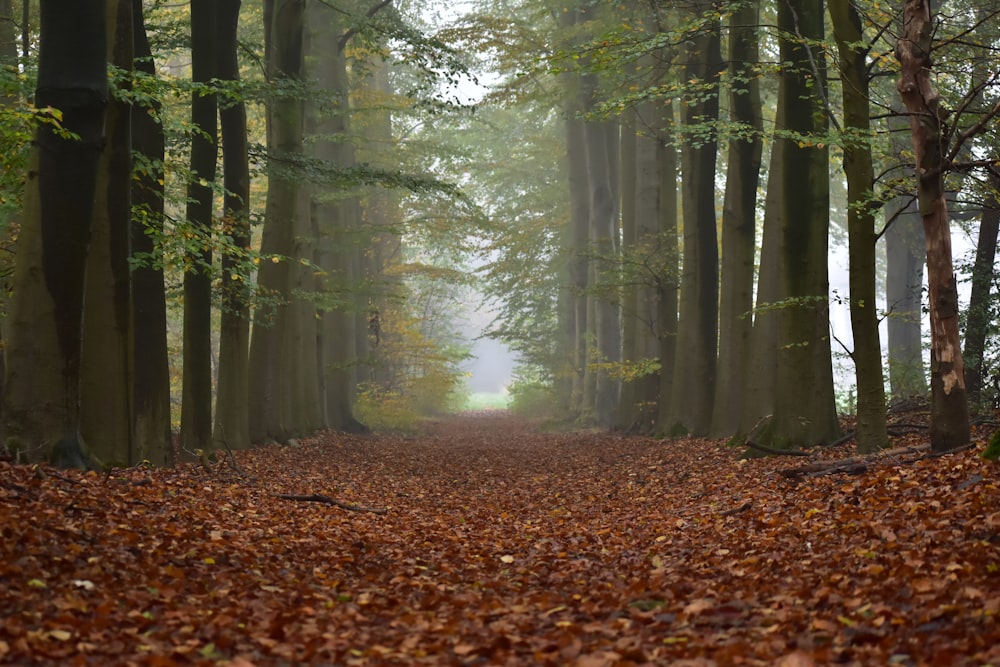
column 231, row 409
column 739, row 220
column 697, row 335
column 196, row 396
column 862, row 206
column 150, row 361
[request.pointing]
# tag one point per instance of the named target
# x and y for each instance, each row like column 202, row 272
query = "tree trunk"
column 860, row 172
column 697, row 333
column 949, row 402
column 904, row 279
column 42, row 399
column 231, row 405
column 739, row 225
column 196, row 397
column 150, row 361
column 980, row 317
column 667, row 282
column 804, row 361
column 335, row 221
column 626, row 411
column 274, row 351
column 106, row 371
column 604, row 268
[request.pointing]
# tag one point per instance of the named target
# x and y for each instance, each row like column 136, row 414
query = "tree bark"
column 949, row 402
column 860, row 172
column 42, row 398
column 150, row 361
column 804, row 360
column 980, row 312
column 667, row 279
column 196, row 393
column 739, row 225
column 106, row 371
column 698, row 326
column 231, row 404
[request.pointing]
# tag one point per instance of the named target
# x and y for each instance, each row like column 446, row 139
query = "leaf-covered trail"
column 502, row 546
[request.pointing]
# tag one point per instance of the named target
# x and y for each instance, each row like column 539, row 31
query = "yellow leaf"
column 208, row 561
column 506, row 558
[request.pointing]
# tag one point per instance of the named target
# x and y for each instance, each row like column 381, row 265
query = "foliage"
column 415, row 371
column 536, row 401
column 501, row 545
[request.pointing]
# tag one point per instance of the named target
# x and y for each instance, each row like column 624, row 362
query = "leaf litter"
column 502, row 545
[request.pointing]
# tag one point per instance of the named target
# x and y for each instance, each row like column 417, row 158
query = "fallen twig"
column 854, row 464
column 736, row 510
column 327, row 500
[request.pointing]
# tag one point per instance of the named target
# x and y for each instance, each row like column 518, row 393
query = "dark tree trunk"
column 151, row 369
column 196, row 398
column 42, row 401
column 980, row 311
column 231, row 407
column 106, row 371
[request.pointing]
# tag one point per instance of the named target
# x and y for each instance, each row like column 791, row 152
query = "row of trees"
column 658, row 181
column 130, row 191
column 714, row 141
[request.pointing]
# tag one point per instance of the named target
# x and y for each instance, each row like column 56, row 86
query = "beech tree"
column 41, row 402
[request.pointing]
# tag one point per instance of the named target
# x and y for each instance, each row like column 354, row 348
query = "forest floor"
column 502, row 545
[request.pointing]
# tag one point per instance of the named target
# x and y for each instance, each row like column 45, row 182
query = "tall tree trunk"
column 804, row 417
column 904, row 279
column 231, row 405
column 739, row 224
column 604, row 268
column 858, row 167
column 760, row 378
column 196, row 396
column 334, row 220
column 979, row 318
column 697, row 334
column 667, row 281
column 274, row 351
column 106, row 370
column 626, row 411
column 949, row 401
column 41, row 404
column 150, row 360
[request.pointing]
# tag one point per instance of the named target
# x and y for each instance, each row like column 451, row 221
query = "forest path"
column 502, row 545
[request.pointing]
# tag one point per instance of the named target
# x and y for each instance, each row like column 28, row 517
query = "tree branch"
column 346, row 37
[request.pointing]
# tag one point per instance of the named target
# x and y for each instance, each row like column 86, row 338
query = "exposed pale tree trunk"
column 196, row 394
column 949, row 401
column 41, row 404
column 106, row 370
column 697, row 333
column 739, row 225
column 860, row 171
column 150, row 361
column 231, row 417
